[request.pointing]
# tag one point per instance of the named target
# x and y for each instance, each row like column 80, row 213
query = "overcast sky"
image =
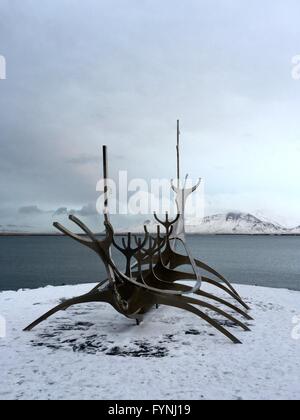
column 81, row 73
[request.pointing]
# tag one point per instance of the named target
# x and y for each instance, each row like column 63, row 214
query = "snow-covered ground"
column 91, row 351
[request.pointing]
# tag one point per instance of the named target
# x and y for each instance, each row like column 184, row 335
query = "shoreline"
column 50, row 286
column 8, row 234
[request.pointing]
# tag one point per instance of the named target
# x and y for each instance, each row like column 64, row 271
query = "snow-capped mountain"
column 295, row 231
column 236, row 223
column 228, row 223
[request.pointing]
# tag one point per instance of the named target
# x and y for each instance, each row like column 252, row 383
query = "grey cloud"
column 85, row 211
column 61, row 211
column 31, row 210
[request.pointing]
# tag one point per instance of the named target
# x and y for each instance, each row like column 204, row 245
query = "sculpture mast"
column 182, row 194
column 105, row 178
column 178, row 153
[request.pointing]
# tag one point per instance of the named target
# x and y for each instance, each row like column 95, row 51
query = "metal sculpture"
column 152, row 276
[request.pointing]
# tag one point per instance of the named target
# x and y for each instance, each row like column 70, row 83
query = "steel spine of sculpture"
column 152, row 276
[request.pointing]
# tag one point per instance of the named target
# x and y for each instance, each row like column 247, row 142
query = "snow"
column 228, row 223
column 241, row 223
column 296, row 230
column 92, row 352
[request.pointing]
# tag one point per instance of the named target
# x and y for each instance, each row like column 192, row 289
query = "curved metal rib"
column 229, row 292
column 200, row 264
column 89, row 297
column 147, row 287
column 162, row 300
column 77, row 238
column 183, row 260
column 194, row 267
column 178, row 260
column 187, row 191
column 213, row 308
column 173, row 276
column 85, row 229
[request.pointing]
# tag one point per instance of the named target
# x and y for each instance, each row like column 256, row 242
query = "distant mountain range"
column 14, row 229
column 230, row 223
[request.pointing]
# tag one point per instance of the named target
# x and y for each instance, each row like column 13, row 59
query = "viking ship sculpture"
column 154, row 273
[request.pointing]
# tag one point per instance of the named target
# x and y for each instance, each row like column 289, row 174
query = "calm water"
column 31, row 262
